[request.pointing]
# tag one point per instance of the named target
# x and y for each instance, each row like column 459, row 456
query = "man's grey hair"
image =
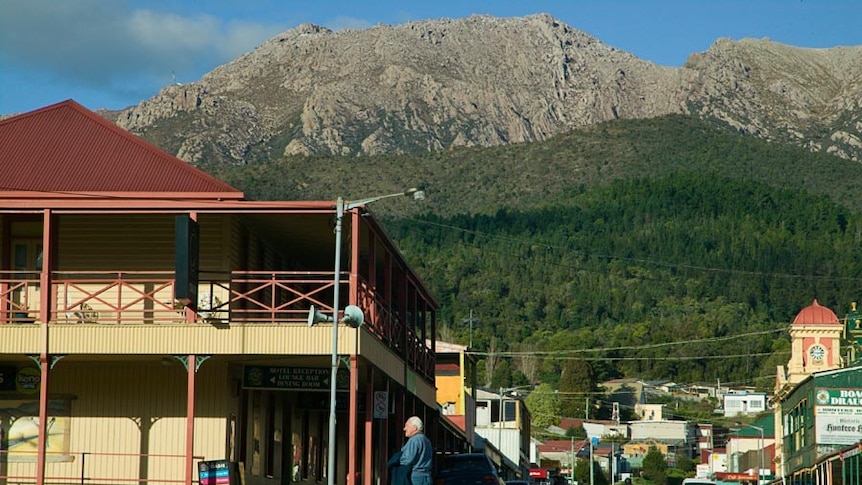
column 415, row 421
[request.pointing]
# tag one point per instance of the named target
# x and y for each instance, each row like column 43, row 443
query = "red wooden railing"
column 147, row 297
column 89, row 468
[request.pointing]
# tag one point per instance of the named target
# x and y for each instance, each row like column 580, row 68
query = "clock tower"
column 815, row 344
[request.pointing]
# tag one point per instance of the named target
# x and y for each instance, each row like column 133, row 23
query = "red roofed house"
column 152, row 318
column 560, row 453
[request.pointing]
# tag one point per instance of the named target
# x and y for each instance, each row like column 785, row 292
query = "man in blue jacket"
column 417, row 453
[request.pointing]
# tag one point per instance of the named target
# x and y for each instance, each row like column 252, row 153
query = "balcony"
column 237, row 299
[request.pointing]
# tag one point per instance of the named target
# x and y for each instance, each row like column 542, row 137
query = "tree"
column 582, row 473
column 544, row 405
column 502, row 376
column 684, row 463
column 576, row 432
column 491, row 361
column 528, row 363
column 576, row 378
column 654, row 466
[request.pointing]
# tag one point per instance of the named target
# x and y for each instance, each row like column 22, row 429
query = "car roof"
column 467, row 456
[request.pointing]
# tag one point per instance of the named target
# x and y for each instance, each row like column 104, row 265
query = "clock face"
column 817, row 352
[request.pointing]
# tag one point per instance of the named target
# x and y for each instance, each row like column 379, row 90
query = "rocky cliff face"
column 807, row 97
column 484, row 81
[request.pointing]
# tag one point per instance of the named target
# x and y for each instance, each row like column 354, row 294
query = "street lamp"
column 760, row 461
column 500, row 424
column 341, row 206
column 760, row 455
column 594, row 441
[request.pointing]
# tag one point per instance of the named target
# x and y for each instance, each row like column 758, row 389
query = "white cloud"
column 104, row 44
column 163, row 33
column 242, row 37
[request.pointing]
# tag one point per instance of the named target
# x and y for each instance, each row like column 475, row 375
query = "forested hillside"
column 664, row 249
column 719, row 265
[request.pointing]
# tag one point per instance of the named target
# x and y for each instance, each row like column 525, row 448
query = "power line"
column 671, row 358
column 631, row 347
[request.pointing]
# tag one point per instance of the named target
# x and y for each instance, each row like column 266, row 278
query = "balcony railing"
column 19, row 467
column 236, row 298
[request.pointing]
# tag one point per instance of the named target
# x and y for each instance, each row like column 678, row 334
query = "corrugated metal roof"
column 550, row 446
column 816, row 314
column 66, row 149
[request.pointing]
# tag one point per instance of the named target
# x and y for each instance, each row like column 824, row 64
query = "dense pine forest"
column 619, row 273
column 662, row 249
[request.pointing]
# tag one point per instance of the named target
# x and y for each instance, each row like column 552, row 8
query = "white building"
column 681, row 432
column 650, row 412
column 742, row 403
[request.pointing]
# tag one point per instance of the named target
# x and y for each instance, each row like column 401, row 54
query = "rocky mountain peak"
column 484, row 81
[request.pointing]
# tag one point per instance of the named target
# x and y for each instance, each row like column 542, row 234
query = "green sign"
column 28, row 380
column 838, row 397
column 292, row 378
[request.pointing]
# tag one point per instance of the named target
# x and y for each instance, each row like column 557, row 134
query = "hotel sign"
column 838, row 416
column 292, row 378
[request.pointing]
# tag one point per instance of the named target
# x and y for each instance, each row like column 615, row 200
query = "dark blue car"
column 468, row 469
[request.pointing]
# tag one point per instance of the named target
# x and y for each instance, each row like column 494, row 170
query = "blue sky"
column 116, row 53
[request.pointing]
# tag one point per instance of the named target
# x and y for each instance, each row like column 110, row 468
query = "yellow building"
column 153, row 320
column 455, row 377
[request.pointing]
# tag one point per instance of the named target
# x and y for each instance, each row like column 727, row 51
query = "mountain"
column 581, row 201
column 484, row 81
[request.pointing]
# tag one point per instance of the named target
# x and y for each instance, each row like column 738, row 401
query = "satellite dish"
column 353, row 316
column 315, row 317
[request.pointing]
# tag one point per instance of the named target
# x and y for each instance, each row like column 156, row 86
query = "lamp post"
column 594, row 441
column 760, row 455
column 760, row 460
column 342, row 206
column 500, row 423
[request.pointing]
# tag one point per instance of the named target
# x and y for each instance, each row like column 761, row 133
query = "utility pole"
column 616, row 418
column 471, row 326
column 500, row 426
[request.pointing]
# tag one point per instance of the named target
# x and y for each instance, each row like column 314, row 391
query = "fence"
column 91, row 468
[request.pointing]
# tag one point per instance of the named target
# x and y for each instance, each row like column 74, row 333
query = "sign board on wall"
column 292, row 378
column 7, row 378
column 28, row 380
column 381, row 404
column 218, row 472
column 838, row 416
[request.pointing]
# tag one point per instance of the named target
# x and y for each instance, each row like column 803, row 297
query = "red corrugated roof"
column 816, row 314
column 66, row 149
column 551, row 446
column 567, row 423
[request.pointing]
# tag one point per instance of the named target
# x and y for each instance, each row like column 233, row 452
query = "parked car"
column 468, row 469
